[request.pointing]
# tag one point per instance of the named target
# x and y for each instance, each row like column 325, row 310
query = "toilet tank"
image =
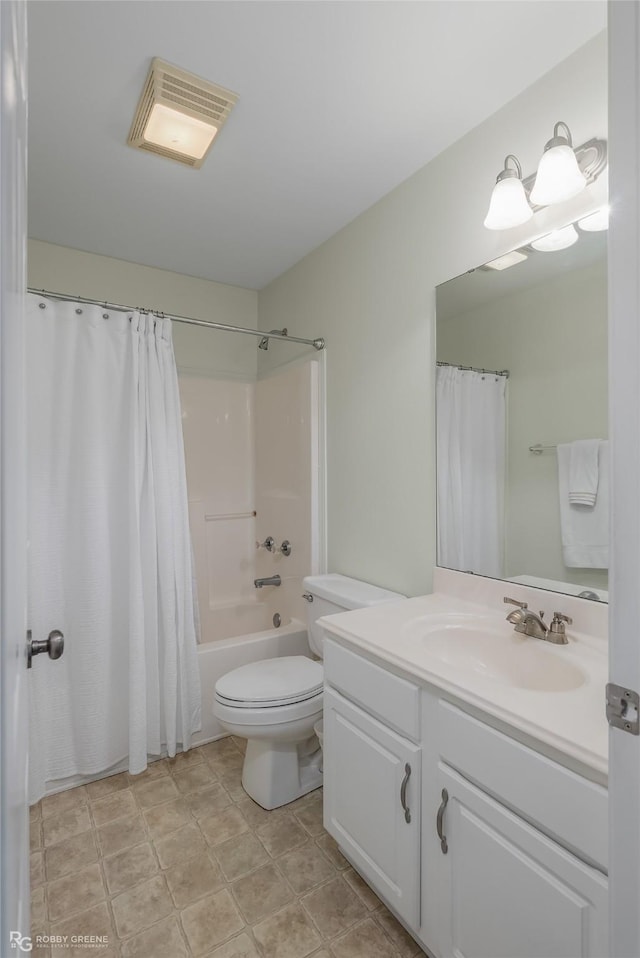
column 338, row 593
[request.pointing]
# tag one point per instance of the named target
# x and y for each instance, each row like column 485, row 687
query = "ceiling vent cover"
column 179, row 114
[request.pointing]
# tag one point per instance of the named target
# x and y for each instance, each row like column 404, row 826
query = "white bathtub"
column 219, row 656
column 238, row 619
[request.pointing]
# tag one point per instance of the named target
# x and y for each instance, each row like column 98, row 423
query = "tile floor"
column 178, row 862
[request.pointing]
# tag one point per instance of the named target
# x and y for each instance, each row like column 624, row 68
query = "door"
column 508, row 891
column 372, row 802
column 624, row 406
column 14, row 819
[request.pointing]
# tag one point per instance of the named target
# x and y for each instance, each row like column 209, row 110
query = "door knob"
column 53, row 645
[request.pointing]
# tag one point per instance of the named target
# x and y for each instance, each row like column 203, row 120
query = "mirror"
column 511, row 472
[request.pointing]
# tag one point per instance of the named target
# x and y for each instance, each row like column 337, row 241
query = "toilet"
column 275, row 703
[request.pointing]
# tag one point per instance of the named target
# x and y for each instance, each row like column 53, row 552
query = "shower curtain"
column 109, row 545
column 471, row 422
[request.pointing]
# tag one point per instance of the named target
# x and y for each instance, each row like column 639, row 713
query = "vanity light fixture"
column 559, row 176
column 595, row 221
column 508, row 205
column 558, row 239
column 179, row 114
column 563, row 172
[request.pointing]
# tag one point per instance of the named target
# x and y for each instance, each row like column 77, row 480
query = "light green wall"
column 369, row 290
column 63, row 270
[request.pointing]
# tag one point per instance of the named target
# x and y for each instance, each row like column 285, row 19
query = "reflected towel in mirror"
column 584, row 472
column 584, row 529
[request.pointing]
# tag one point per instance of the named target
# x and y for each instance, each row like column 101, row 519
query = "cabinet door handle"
column 403, row 793
column 443, row 838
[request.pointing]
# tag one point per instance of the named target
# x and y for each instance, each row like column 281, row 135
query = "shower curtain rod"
column 316, row 343
column 476, row 369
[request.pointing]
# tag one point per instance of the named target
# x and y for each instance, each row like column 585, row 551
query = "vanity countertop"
column 570, row 720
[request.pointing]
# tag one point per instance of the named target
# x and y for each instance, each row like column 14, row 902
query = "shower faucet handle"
column 269, row 544
column 285, row 548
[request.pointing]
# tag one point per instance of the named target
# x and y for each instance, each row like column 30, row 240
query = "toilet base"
column 276, row 773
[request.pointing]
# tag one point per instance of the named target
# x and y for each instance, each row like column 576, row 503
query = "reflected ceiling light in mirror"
column 559, row 176
column 508, row 206
column 595, row 222
column 558, row 239
column 509, row 259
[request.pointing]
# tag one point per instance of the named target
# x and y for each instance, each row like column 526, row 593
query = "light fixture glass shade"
column 508, row 206
column 595, row 221
column 178, row 131
column 559, row 177
column 559, row 239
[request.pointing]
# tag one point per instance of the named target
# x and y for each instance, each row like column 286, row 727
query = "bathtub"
column 216, row 656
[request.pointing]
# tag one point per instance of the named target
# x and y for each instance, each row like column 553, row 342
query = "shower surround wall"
column 288, row 481
column 218, row 427
column 251, row 448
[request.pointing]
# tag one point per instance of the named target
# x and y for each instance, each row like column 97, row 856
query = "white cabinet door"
column 507, row 890
column 372, row 802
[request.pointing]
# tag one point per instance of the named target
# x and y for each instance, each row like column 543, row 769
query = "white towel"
column 584, row 529
column 584, row 472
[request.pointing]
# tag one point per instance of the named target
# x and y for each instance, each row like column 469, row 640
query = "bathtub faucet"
column 270, row 580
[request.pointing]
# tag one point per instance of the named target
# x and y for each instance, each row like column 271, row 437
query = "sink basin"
column 486, row 647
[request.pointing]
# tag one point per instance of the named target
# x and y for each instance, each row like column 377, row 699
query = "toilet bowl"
column 275, row 703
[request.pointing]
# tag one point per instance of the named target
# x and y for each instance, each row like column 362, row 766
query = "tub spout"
column 269, row 580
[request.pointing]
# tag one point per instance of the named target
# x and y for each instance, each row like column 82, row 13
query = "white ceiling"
column 339, row 102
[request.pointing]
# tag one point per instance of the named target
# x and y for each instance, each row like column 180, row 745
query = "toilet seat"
column 271, row 683
column 250, row 717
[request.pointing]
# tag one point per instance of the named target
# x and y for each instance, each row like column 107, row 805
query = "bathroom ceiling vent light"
column 509, row 259
column 179, row 114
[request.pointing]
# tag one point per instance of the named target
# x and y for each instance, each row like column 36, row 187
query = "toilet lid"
column 280, row 681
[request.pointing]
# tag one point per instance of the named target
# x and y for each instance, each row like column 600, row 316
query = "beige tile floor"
column 178, row 862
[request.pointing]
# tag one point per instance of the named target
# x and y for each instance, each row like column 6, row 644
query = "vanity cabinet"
column 372, row 802
column 505, row 890
column 485, row 848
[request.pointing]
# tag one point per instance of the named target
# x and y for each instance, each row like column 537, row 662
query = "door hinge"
column 623, row 708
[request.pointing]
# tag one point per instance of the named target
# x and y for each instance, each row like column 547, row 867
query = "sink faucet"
column 527, row 622
column 269, row 580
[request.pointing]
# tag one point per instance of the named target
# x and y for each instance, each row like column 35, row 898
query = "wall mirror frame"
column 522, row 418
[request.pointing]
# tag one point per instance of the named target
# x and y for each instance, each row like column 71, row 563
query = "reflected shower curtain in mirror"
column 109, row 546
column 471, row 422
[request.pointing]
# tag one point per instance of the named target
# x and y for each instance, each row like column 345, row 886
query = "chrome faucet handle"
column 269, row 544
column 560, row 617
column 557, row 628
column 521, row 605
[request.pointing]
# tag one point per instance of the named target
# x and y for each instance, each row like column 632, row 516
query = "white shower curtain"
column 471, row 421
column 109, row 546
